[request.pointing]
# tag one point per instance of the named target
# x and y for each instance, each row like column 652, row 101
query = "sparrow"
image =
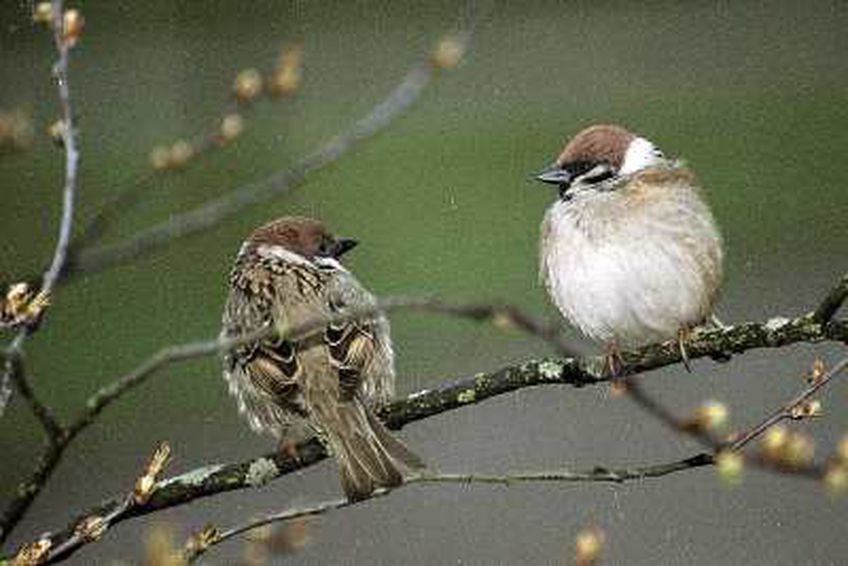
column 629, row 253
column 327, row 384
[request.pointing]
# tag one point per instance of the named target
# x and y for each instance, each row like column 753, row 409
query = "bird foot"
column 288, row 449
column 715, row 322
column 612, row 361
column 682, row 335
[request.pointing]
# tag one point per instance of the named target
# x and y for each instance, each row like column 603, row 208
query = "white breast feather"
column 637, row 282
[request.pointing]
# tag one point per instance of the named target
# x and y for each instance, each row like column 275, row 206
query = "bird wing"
column 359, row 349
column 263, row 374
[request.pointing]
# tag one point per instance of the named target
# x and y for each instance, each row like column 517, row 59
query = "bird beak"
column 555, row 175
column 342, row 246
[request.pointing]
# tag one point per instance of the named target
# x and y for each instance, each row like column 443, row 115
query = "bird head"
column 306, row 237
column 597, row 155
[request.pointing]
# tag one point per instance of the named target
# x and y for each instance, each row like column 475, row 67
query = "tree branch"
column 54, row 429
column 60, row 71
column 212, row 212
column 203, row 145
column 214, row 479
column 595, row 474
column 69, row 133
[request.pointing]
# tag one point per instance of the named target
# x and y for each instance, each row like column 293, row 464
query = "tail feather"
column 369, row 456
column 396, row 449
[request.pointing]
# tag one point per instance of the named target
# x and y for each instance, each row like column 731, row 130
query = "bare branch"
column 32, row 486
column 832, row 302
column 202, row 145
column 213, row 212
column 12, row 354
column 785, row 411
column 60, row 72
column 595, row 474
column 51, row 276
column 193, row 552
column 54, row 429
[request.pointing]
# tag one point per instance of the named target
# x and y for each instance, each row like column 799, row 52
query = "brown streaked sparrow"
column 288, row 273
column 630, row 253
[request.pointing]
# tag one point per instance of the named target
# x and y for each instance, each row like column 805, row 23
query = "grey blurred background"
column 753, row 95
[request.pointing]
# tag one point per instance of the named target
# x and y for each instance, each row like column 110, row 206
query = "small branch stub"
column 91, row 528
column 32, row 553
column 200, row 541
column 43, row 13
column 247, row 86
column 15, row 130
column 448, row 52
column 787, row 449
column 836, row 479
column 730, row 466
column 709, row 417
column 232, row 125
column 73, row 24
column 588, row 545
column 22, row 308
column 146, row 484
column 286, row 77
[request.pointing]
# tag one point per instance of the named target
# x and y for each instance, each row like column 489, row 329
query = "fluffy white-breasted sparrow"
column 288, row 273
column 630, row 252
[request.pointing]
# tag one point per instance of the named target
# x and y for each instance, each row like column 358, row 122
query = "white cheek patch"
column 281, row 253
column 640, row 154
column 329, row 263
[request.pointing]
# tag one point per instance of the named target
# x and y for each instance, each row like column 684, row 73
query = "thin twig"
column 785, row 411
column 63, row 437
column 54, row 429
column 12, row 354
column 191, row 555
column 172, row 354
column 60, row 72
column 596, row 474
column 832, row 301
column 51, row 276
column 130, row 193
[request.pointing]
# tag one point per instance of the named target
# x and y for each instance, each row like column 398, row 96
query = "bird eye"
column 598, row 173
column 579, row 168
column 324, row 247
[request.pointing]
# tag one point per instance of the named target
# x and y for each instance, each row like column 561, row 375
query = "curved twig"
column 785, row 411
column 597, row 474
column 213, row 212
column 57, row 264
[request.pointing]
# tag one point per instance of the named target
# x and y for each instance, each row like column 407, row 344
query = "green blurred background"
column 753, row 95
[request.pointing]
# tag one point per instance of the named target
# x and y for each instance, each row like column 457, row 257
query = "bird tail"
column 369, row 456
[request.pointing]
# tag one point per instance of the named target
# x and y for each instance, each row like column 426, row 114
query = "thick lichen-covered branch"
column 715, row 343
